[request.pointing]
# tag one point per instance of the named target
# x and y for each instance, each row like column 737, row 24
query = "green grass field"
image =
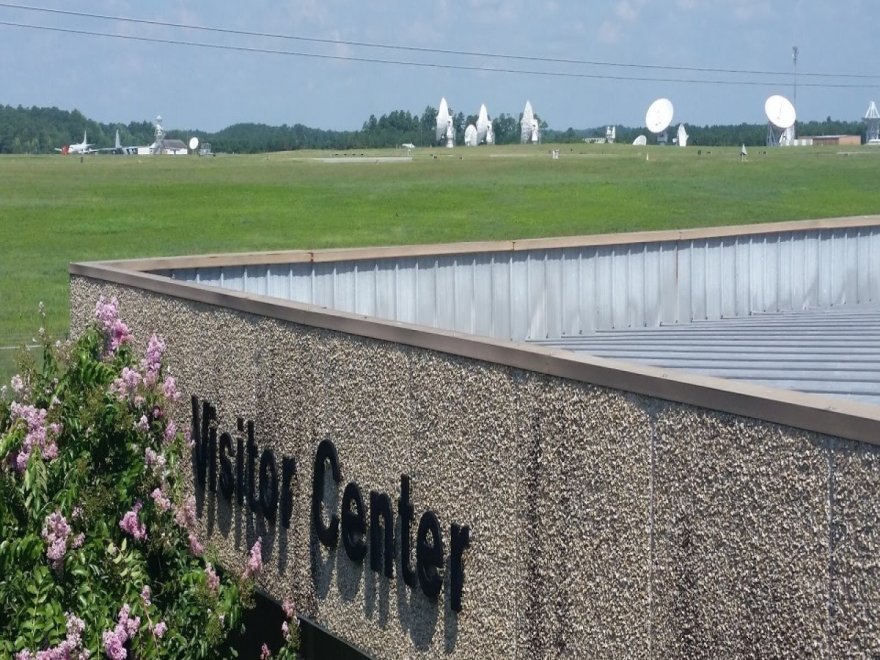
column 54, row 209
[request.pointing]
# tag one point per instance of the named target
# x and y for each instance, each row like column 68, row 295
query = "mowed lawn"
column 55, row 209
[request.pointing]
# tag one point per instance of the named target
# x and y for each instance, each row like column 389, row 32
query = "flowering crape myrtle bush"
column 98, row 553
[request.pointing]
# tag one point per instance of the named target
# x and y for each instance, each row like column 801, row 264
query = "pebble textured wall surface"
column 603, row 523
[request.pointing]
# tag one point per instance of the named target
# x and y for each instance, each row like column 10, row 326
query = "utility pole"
column 794, row 58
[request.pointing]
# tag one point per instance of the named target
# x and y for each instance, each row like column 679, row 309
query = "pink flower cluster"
column 152, row 363
column 195, row 546
column 169, row 389
column 116, row 333
column 154, row 460
column 170, row 430
column 126, row 385
column 131, row 525
column 289, row 613
column 255, row 560
column 69, row 649
column 185, row 516
column 126, row 628
column 39, row 435
column 160, row 628
column 17, row 384
column 213, row 579
column 163, row 503
column 55, row 533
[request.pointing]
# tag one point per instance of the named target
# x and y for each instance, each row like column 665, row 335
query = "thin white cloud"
column 743, row 11
column 628, row 11
column 625, row 15
column 608, row 33
column 495, row 11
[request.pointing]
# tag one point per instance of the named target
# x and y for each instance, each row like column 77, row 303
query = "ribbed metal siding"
column 541, row 294
column 824, row 351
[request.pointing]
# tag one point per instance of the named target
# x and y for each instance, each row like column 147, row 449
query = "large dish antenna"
column 484, row 125
column 640, row 141
column 529, row 125
column 470, row 136
column 193, row 143
column 444, row 130
column 659, row 116
column 682, row 136
column 780, row 112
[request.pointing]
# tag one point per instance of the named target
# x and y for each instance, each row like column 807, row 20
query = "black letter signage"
column 329, row 535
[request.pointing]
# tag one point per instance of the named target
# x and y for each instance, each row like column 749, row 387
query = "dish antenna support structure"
column 610, row 134
column 781, row 116
column 658, row 118
column 158, row 137
column 872, row 118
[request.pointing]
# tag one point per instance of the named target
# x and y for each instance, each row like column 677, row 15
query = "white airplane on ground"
column 77, row 148
column 408, row 145
column 117, row 148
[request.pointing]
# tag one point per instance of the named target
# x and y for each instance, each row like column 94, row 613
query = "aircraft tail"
column 65, row 150
column 118, row 143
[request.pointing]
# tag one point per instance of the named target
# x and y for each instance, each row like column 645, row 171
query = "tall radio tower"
column 794, row 58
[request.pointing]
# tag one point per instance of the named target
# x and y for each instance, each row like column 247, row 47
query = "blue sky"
column 114, row 80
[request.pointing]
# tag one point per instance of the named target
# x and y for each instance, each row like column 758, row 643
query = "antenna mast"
column 794, row 58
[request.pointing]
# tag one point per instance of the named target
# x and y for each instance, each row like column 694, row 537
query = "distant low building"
column 826, row 140
column 172, row 147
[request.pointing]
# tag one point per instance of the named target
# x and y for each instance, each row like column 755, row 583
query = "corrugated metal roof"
column 832, row 351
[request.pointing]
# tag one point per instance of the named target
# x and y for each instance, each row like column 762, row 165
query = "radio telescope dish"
column 640, row 141
column 484, row 125
column 682, row 136
column 659, row 116
column 193, row 143
column 529, row 131
column 780, row 112
column 470, row 136
column 444, row 129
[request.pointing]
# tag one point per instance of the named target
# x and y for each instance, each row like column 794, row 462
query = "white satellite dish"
column 659, row 116
column 484, row 125
column 444, row 128
column 780, row 112
column 193, row 143
column 781, row 117
column 640, row 141
column 529, row 131
column 470, row 136
column 682, row 136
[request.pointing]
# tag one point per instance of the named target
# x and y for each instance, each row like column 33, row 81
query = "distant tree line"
column 713, row 136
column 40, row 130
